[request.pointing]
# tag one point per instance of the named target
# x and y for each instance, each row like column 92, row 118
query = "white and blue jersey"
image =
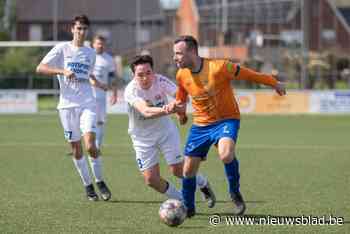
column 103, row 67
column 152, row 135
column 81, row 61
column 155, row 96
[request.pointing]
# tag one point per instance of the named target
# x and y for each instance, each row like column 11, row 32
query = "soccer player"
column 73, row 63
column 216, row 117
column 104, row 70
column 151, row 129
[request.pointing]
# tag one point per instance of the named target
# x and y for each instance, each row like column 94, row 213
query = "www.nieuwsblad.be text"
column 326, row 220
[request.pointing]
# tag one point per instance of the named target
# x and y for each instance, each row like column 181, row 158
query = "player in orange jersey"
column 216, row 117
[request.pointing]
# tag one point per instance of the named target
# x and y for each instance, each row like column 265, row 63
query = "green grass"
column 290, row 166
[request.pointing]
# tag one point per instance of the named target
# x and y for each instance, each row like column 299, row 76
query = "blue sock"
column 232, row 175
column 188, row 191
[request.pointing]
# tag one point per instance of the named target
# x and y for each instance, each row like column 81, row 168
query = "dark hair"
column 83, row 19
column 191, row 42
column 98, row 37
column 141, row 59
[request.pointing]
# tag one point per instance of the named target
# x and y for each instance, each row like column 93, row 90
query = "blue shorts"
column 200, row 138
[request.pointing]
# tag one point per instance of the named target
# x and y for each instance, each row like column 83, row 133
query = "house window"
column 143, row 36
column 35, row 32
column 328, row 35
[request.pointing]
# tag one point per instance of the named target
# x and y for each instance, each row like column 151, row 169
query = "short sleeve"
column 54, row 57
column 130, row 94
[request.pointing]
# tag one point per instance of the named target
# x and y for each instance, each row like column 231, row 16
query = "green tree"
column 19, row 61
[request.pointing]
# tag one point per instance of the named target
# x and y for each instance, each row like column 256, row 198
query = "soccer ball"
column 172, row 212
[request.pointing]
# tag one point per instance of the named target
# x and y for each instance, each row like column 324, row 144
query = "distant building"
column 127, row 24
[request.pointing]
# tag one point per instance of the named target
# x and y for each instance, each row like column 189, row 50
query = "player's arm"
column 242, row 73
column 45, row 69
column 150, row 111
column 94, row 82
column 181, row 101
column 113, row 87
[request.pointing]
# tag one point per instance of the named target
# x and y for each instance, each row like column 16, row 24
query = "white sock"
column 83, row 170
column 172, row 192
column 201, row 180
column 99, row 135
column 96, row 167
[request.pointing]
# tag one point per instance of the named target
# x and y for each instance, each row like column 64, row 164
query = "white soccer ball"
column 172, row 212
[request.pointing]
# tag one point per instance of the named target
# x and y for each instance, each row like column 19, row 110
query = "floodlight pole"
column 55, row 20
column 137, row 26
column 305, row 10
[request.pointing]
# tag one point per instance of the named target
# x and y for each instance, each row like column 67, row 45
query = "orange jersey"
column 210, row 89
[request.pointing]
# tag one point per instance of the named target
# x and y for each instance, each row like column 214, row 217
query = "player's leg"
column 70, row 122
column 201, row 181
column 147, row 158
column 227, row 134
column 190, row 169
column 170, row 146
column 154, row 180
column 88, row 126
column 196, row 149
column 101, row 119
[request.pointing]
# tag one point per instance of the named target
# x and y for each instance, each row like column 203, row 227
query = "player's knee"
column 91, row 149
column 227, row 157
column 177, row 170
column 152, row 181
column 188, row 173
column 178, row 173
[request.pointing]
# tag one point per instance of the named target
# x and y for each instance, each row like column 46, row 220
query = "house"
column 271, row 23
column 126, row 24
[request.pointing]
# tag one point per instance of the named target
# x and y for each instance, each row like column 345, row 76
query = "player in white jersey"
column 73, row 64
column 104, row 70
column 151, row 129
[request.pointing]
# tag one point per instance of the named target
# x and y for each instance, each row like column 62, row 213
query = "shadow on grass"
column 135, row 202
column 159, row 201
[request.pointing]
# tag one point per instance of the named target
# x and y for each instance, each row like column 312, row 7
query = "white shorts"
column 101, row 111
column 147, row 150
column 77, row 121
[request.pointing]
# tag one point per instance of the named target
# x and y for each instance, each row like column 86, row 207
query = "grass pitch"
column 290, row 166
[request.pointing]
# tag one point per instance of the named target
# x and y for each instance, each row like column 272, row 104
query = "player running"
column 216, row 117
column 151, row 129
column 73, row 64
column 104, row 70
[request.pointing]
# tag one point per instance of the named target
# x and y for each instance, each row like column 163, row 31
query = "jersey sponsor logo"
column 78, row 68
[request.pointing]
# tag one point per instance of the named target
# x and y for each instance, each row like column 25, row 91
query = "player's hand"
column 180, row 107
column 69, row 74
column 113, row 99
column 182, row 118
column 280, row 88
column 97, row 83
column 104, row 87
column 169, row 108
